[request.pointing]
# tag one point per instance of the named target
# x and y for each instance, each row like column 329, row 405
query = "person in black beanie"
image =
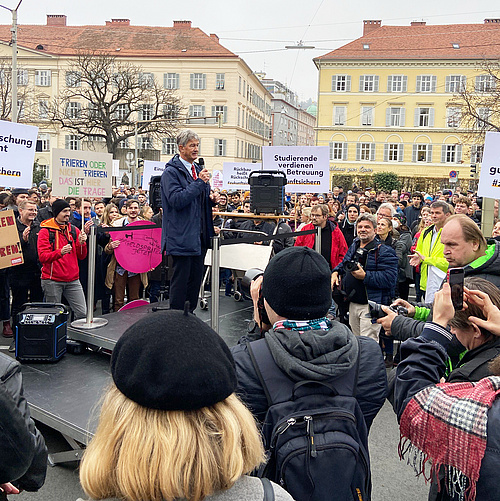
column 171, row 426
column 303, row 343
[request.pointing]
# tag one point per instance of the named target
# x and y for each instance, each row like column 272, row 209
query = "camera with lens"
column 251, row 275
column 377, row 312
column 353, row 263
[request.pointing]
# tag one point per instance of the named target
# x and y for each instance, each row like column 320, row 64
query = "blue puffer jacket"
column 187, row 211
column 381, row 271
column 422, row 364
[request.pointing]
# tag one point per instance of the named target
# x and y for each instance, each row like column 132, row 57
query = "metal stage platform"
column 65, row 395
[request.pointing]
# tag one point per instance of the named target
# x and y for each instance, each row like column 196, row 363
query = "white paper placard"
column 489, row 179
column 151, row 168
column 235, row 175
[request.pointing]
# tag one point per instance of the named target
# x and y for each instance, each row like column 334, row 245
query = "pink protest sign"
column 139, row 250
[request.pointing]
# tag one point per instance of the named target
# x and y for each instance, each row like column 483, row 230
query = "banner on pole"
column 307, row 168
column 235, row 175
column 10, row 247
column 151, row 169
column 17, row 154
column 489, row 178
column 81, row 173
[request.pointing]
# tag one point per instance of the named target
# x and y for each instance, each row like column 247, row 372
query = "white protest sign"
column 489, row 179
column 81, row 173
column 307, row 168
column 17, row 153
column 151, row 169
column 216, row 180
column 235, row 175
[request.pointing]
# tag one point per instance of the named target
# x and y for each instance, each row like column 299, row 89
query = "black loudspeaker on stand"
column 41, row 332
column 267, row 191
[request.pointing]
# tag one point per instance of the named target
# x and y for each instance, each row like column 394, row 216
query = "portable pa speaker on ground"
column 41, row 332
column 267, row 191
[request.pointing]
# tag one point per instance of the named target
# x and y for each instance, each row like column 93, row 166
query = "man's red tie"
column 193, row 171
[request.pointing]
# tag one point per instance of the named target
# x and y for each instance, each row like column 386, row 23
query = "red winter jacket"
column 55, row 266
column 339, row 246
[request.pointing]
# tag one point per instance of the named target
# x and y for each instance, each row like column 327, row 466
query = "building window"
column 239, row 112
column 220, row 110
column 483, row 118
column 338, row 151
column 171, row 80
column 455, row 83
column 220, row 81
column 341, row 83
column 43, row 109
column 395, row 117
column 124, row 143
column 368, row 83
column 239, row 85
column 22, row 77
column 485, row 83
column 170, row 111
column 146, row 112
column 144, row 143
column 73, row 79
column 453, row 116
column 122, row 111
column 169, row 146
column 146, row 79
column 424, row 117
column 422, row 153
column 45, row 169
column 426, row 83
column 339, row 115
column 44, row 139
column 72, row 142
column 451, row 153
column 197, row 110
column 365, row 151
column 94, row 138
column 73, row 110
column 219, row 147
column 198, row 81
column 367, row 115
column 397, row 83
column 393, row 152
column 476, row 153
column 43, row 78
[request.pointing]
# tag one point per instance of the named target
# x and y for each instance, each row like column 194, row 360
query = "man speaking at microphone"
column 187, row 219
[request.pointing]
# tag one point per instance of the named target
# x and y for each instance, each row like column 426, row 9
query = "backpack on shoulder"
column 314, row 433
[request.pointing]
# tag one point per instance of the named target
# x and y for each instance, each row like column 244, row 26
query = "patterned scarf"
column 446, row 425
column 304, row 325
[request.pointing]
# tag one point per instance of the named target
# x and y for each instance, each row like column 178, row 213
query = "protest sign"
column 116, row 168
column 489, row 179
column 139, row 250
column 17, row 153
column 81, row 173
column 151, row 169
column 216, row 181
column 307, row 168
column 235, row 175
column 10, row 247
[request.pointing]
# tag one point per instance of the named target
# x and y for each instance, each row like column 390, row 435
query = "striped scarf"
column 304, row 325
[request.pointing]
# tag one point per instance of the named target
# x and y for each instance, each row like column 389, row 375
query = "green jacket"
column 433, row 256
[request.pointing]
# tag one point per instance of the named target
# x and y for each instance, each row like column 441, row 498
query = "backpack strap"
column 469, row 367
column 268, row 489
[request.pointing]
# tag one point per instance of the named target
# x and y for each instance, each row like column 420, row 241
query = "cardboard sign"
column 10, row 246
column 151, row 169
column 235, row 175
column 81, row 173
column 17, row 153
column 489, row 178
column 307, row 168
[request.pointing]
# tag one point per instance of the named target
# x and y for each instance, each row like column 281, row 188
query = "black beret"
column 171, row 360
column 20, row 191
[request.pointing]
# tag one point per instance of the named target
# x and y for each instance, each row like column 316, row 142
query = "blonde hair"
column 106, row 219
column 139, row 453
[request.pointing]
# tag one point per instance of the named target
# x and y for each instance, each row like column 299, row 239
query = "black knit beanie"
column 59, row 205
column 171, row 360
column 297, row 284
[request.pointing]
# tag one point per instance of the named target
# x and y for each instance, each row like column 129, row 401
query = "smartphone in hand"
column 455, row 278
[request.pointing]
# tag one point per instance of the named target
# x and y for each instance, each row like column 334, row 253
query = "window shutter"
column 191, row 111
column 433, row 83
column 203, row 111
column 204, row 81
column 344, row 151
column 348, row 83
column 402, row 119
column 473, row 151
column 225, row 114
column 386, row 152
column 405, row 84
column 331, row 150
column 431, row 117
column 224, row 147
column 478, row 79
column 334, row 83
column 414, row 153
column 375, row 83
column 177, row 83
column 215, row 148
column 66, row 142
column 362, row 83
column 447, row 84
column 37, row 79
column 213, row 111
column 388, row 117
column 389, row 83
column 429, row 153
column 401, row 152
column 443, row 153
column 463, row 82
column 372, row 152
column 419, row 83
column 459, row 154
column 415, row 117
column 191, row 80
column 358, row 151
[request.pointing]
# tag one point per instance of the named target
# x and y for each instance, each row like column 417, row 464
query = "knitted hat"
column 296, row 284
column 171, row 360
column 401, row 218
column 59, row 205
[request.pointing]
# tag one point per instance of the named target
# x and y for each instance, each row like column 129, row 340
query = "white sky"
column 258, row 30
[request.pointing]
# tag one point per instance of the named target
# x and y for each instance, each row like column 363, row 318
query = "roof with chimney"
column 420, row 41
column 118, row 37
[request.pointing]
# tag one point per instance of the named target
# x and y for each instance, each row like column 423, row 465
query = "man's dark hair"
column 78, row 202
column 131, row 201
column 417, row 194
column 443, row 205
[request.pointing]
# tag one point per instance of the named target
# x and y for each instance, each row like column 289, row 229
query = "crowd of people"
column 188, row 418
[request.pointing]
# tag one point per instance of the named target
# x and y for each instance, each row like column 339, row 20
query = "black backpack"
column 314, row 433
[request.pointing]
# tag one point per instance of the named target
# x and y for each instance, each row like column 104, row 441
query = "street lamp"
column 13, row 30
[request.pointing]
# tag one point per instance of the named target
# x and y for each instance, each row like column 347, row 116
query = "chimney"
column 182, row 24
column 214, row 37
column 418, row 23
column 370, row 25
column 56, row 20
column 492, row 21
column 118, row 22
